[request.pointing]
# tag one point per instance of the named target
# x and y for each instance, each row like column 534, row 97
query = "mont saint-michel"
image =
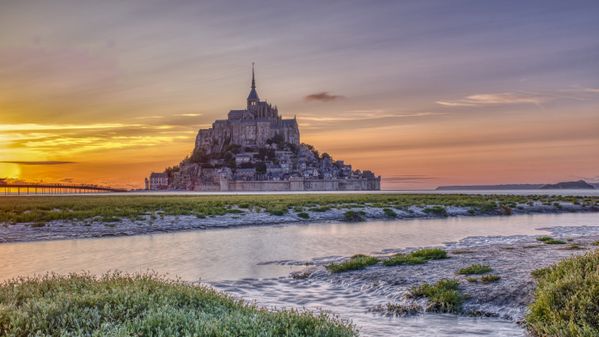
column 256, row 149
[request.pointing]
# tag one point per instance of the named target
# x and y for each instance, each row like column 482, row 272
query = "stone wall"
column 299, row 184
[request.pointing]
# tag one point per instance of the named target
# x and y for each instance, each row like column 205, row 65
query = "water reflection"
column 236, row 253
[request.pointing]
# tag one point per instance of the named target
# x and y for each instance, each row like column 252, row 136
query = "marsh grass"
column 437, row 211
column 144, row 305
column 356, row 262
column 430, row 253
column 403, row 259
column 490, row 278
column 354, row 216
column 389, row 213
column 475, row 269
column 40, row 208
column 419, row 256
column 566, row 300
column 443, row 296
column 303, row 215
column 550, row 241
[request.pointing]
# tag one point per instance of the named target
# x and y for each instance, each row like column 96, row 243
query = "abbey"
column 251, row 127
column 256, row 149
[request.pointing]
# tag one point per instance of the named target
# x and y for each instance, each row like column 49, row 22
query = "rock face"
column 256, row 149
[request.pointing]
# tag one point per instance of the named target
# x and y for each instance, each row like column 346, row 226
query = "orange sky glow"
column 105, row 98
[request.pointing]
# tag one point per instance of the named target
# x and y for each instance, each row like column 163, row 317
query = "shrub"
column 356, row 262
column 389, row 213
column 443, row 296
column 490, row 278
column 437, row 211
column 353, row 216
column 475, row 269
column 277, row 212
column 403, row 259
column 550, row 241
column 303, row 215
column 566, row 300
column 430, row 253
column 144, row 305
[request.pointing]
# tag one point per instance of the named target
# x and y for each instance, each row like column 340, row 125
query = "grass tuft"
column 475, row 269
column 548, row 240
column 144, row 305
column 303, row 215
column 389, row 213
column 430, row 253
column 354, row 216
column 356, row 262
column 566, row 301
column 403, row 259
column 490, row 278
column 443, row 296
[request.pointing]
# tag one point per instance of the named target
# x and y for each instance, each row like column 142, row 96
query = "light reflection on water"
column 236, row 253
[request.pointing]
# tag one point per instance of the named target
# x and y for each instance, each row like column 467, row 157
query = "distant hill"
column 570, row 185
column 581, row 184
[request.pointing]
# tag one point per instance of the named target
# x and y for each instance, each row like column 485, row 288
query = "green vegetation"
column 303, row 215
column 430, row 253
column 389, row 213
column 144, row 305
column 38, row 208
column 354, row 216
column 596, row 243
column 443, row 296
column 356, row 262
column 566, row 302
column 403, row 259
column 475, row 269
column 490, row 278
column 437, row 211
column 550, row 241
column 574, row 246
column 419, row 256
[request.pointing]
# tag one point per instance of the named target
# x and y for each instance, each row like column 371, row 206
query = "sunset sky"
column 424, row 93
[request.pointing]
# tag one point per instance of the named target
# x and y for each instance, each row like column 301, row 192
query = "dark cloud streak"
column 323, row 96
column 38, row 162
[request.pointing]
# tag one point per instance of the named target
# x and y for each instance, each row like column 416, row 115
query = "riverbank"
column 44, row 218
column 493, row 275
column 379, row 300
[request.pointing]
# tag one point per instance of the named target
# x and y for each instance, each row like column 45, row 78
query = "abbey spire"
column 253, row 98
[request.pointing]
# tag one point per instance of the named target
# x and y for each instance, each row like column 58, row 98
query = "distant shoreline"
column 565, row 185
column 156, row 221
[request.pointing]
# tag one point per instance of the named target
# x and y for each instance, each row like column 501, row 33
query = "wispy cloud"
column 323, row 96
column 503, row 98
column 37, row 162
column 591, row 90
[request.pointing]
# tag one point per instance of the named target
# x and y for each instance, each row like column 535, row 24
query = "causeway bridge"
column 23, row 188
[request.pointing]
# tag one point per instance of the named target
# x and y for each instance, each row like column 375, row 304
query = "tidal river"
column 233, row 259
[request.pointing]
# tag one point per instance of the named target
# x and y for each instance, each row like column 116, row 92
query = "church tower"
column 253, row 98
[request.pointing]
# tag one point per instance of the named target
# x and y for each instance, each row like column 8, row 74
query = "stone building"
column 250, row 127
column 256, row 149
column 158, row 181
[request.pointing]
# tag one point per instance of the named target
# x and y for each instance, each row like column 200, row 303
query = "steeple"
column 253, row 98
column 253, row 78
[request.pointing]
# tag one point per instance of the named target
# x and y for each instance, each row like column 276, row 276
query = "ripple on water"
column 350, row 303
